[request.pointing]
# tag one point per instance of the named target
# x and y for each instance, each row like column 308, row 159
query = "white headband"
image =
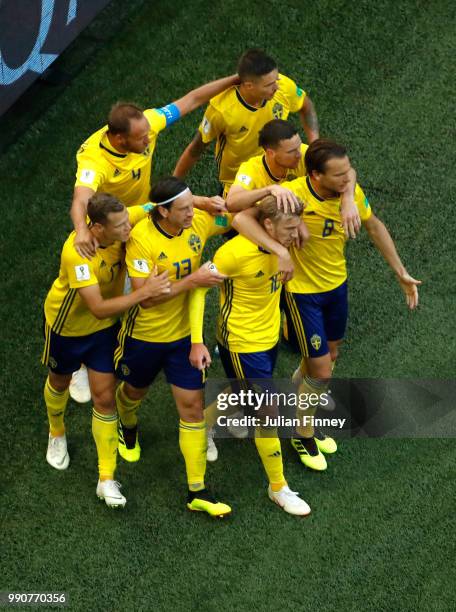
column 173, row 198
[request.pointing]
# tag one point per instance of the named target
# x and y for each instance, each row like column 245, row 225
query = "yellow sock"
column 212, row 412
column 104, row 430
column 126, row 407
column 193, row 445
column 307, row 387
column 56, row 402
column 269, row 449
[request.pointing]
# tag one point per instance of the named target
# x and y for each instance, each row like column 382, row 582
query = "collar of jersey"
column 162, row 231
column 266, row 167
column 112, row 152
column 244, row 103
column 312, row 190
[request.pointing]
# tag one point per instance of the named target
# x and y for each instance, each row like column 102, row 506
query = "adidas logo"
column 243, row 129
column 259, row 274
column 276, row 454
column 162, row 256
column 116, row 172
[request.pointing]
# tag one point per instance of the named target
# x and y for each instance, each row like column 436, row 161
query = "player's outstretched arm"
column 246, row 224
column 153, row 286
column 240, row 199
column 381, row 237
column 309, row 120
column 201, row 95
column 85, row 242
column 351, row 221
column 215, row 205
column 203, row 277
column 199, row 357
column 190, row 156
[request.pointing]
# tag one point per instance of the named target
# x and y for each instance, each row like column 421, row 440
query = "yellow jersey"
column 249, row 318
column 65, row 311
column 235, row 124
column 255, row 173
column 321, row 266
column 124, row 175
column 180, row 255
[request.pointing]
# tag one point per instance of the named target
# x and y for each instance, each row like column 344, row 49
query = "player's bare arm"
column 381, row 237
column 85, row 242
column 309, row 120
column 201, row 95
column 246, row 224
column 190, row 156
column 203, row 277
column 350, row 219
column 153, row 286
column 214, row 205
column 240, row 199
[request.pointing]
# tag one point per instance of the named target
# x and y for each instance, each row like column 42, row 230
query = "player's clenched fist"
column 207, row 276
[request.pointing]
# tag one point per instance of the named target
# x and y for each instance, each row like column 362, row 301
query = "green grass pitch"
column 380, row 535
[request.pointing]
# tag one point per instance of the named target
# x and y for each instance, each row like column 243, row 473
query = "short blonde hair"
column 269, row 210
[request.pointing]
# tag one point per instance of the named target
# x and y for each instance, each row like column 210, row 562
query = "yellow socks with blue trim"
column 56, row 402
column 104, row 430
column 193, row 445
column 309, row 387
column 269, row 449
column 126, row 407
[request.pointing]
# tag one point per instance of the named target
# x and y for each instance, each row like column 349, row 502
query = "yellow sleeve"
column 294, row 94
column 212, row 124
column 196, row 304
column 210, row 225
column 138, row 213
column 91, row 171
column 157, row 121
column 362, row 203
column 244, row 177
column 225, row 260
column 140, row 263
column 79, row 270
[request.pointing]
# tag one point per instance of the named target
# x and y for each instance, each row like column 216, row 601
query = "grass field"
column 381, row 535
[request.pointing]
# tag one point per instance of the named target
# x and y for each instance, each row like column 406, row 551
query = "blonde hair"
column 269, row 210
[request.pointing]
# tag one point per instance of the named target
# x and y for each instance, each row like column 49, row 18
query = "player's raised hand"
column 207, row 276
column 409, row 286
column 157, row 285
column 350, row 220
column 286, row 199
column 303, row 236
column 85, row 243
column 286, row 267
column 200, row 357
column 214, row 205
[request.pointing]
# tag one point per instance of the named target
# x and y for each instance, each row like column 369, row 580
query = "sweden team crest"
column 52, row 362
column 194, row 242
column 277, row 110
column 315, row 341
column 125, row 369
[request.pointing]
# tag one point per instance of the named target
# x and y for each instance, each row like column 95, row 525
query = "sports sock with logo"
column 127, row 408
column 56, row 402
column 269, row 449
column 104, row 430
column 193, row 446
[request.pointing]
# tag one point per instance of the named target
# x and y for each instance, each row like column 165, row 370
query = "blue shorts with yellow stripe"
column 248, row 365
column 138, row 362
column 65, row 354
column 313, row 319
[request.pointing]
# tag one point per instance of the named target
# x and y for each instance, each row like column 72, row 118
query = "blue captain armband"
column 171, row 112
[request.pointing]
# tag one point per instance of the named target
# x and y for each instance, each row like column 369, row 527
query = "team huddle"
column 129, row 299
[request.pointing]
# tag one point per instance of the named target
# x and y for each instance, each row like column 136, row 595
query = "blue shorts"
column 315, row 318
column 65, row 354
column 248, row 365
column 138, row 362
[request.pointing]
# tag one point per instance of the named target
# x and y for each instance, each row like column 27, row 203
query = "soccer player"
column 81, row 313
column 282, row 160
column 117, row 159
column 155, row 334
column 248, row 328
column 316, row 297
column 235, row 116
